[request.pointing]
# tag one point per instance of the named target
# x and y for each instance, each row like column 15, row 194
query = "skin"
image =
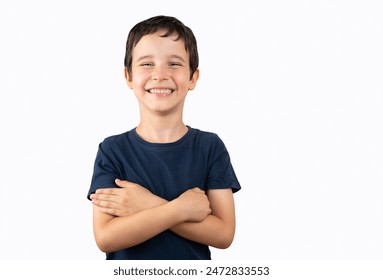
column 129, row 215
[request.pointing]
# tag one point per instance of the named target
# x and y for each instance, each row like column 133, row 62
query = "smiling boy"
column 162, row 190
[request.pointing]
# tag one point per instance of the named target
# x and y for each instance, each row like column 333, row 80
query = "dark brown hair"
column 171, row 26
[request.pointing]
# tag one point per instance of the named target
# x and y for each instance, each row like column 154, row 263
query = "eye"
column 147, row 64
column 175, row 64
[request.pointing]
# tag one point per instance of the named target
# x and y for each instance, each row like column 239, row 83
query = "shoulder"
column 117, row 141
column 208, row 141
column 116, row 138
column 207, row 137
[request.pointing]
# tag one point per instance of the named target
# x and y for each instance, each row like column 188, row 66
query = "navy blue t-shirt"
column 198, row 159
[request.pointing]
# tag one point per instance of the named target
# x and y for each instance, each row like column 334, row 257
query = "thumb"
column 121, row 183
column 197, row 189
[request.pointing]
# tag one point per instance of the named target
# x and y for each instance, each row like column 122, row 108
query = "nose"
column 159, row 74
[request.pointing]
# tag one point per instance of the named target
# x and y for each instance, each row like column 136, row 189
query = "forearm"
column 212, row 231
column 116, row 233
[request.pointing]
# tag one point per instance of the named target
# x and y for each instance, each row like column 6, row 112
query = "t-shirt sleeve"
column 105, row 171
column 221, row 173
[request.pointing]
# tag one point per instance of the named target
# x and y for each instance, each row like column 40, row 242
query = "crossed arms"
column 127, row 216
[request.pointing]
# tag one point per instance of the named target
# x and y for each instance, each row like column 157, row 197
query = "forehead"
column 155, row 44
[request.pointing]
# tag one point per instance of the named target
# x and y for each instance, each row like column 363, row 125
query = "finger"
column 105, row 191
column 121, row 183
column 106, row 197
column 105, row 204
column 110, row 211
column 110, row 191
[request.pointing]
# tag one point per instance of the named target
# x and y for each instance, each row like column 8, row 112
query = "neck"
column 161, row 129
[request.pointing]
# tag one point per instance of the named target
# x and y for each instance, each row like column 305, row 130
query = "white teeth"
column 160, row 91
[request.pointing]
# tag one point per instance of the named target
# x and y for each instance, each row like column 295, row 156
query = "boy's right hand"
column 194, row 204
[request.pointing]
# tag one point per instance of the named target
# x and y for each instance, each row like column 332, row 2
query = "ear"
column 128, row 78
column 194, row 79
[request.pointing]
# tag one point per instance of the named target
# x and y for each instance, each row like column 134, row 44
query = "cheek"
column 138, row 81
column 182, row 78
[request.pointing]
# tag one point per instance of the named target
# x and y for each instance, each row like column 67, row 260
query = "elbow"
column 224, row 244
column 225, row 240
column 106, row 243
column 104, row 248
column 103, row 244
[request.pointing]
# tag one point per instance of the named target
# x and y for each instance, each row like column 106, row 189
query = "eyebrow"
column 144, row 57
column 177, row 57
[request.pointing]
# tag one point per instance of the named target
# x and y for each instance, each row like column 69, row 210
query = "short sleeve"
column 221, row 173
column 105, row 172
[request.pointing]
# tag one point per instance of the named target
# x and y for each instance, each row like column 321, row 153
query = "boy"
column 162, row 190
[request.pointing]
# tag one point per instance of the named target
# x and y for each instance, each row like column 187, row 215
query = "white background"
column 294, row 89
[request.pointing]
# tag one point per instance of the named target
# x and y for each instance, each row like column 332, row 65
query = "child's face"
column 160, row 74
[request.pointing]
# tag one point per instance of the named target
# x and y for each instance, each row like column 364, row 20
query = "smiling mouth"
column 160, row 91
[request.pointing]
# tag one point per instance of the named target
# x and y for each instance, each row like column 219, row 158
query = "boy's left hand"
column 130, row 198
